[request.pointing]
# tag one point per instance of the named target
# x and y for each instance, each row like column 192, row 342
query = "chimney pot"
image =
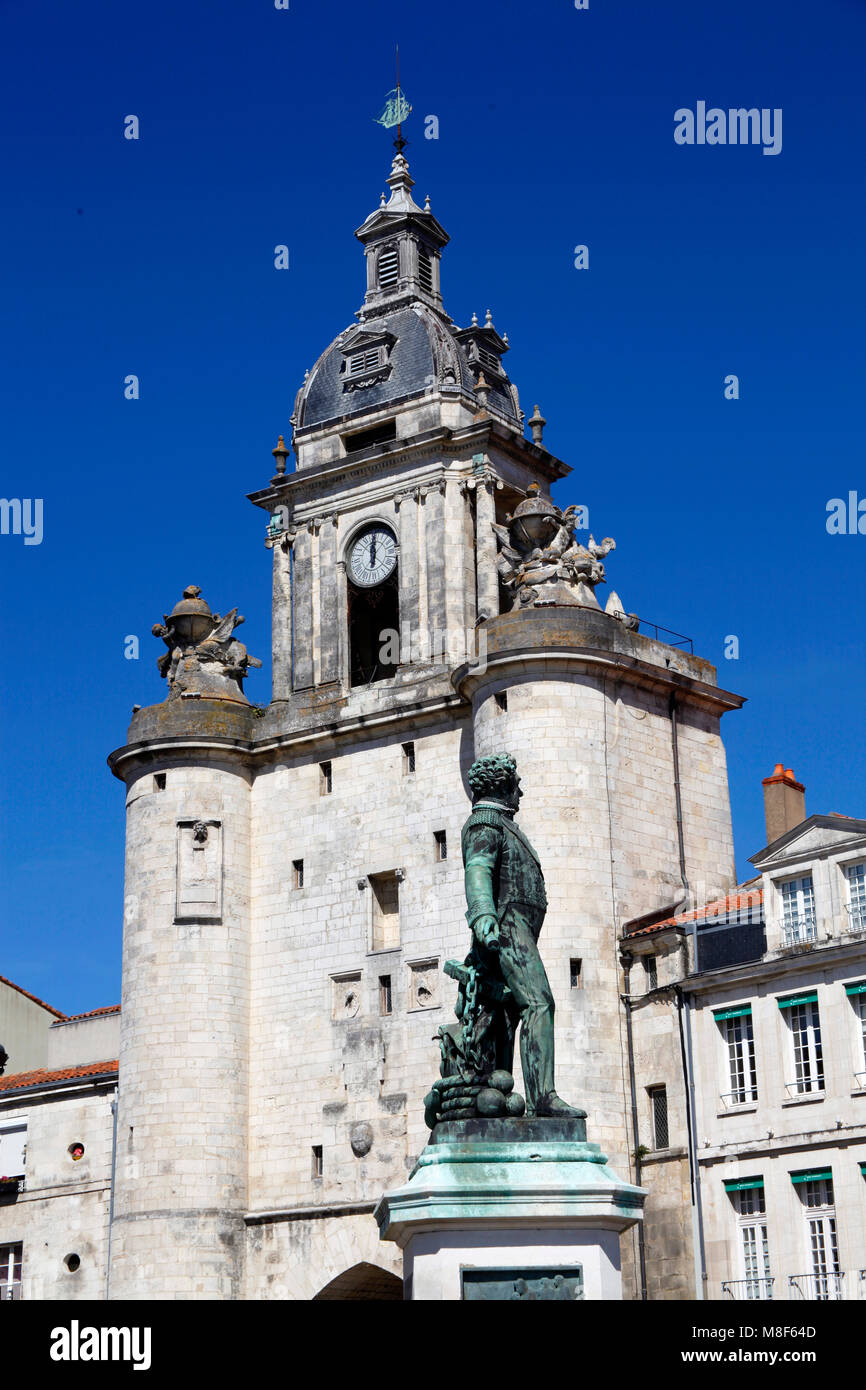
column 784, row 802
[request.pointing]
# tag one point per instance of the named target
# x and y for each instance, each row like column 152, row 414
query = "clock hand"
column 372, row 552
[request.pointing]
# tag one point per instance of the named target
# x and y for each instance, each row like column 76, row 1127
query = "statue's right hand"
column 486, row 931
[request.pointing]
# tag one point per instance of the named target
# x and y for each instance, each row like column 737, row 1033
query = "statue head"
column 495, row 778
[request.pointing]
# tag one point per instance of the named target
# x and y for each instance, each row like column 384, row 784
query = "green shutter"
column 798, row 999
column 863, row 1169
column 859, row 988
column 721, row 1014
column 816, row 1176
column 741, row 1184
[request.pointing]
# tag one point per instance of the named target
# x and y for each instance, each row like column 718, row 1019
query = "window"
column 389, row 267
column 801, row 1015
column 489, row 358
column 386, row 912
column 855, row 878
column 376, row 434
column 298, row 873
column 798, row 910
column 325, row 783
column 857, row 994
column 425, row 270
column 650, row 972
column 501, row 698
column 318, row 1164
column 824, row 1280
column 13, row 1147
column 10, row 1271
column 159, row 782
column 408, row 757
column 747, row 1198
column 367, row 361
column 440, row 841
column 736, row 1026
column 659, row 1112
column 384, row 994
column 576, row 972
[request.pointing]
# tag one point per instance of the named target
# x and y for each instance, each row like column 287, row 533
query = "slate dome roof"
column 424, row 356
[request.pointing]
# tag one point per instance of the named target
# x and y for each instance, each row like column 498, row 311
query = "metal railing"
column 821, row 1288
column 681, row 641
column 746, row 1095
column 798, row 929
column 750, row 1289
column 809, row 1086
column 856, row 916
column 8, row 1292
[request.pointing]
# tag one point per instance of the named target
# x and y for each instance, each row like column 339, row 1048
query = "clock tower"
column 294, row 882
column 409, row 441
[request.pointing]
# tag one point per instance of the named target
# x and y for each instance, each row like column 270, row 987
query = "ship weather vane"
column 395, row 111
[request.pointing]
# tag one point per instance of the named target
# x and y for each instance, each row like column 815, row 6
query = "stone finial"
column 204, row 659
column 488, row 321
column 427, row 203
column 474, row 320
column 482, row 390
column 281, row 453
column 536, row 424
column 381, row 200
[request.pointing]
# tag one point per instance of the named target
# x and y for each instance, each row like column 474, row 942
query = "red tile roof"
column 45, row 1078
column 734, row 902
column 28, row 995
column 93, row 1013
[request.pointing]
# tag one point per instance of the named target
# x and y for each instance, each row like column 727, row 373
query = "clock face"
column 373, row 557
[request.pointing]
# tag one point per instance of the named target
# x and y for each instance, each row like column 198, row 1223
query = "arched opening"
column 373, row 601
column 362, row 1281
column 374, row 625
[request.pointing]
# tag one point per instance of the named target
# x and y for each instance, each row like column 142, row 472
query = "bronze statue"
column 503, row 983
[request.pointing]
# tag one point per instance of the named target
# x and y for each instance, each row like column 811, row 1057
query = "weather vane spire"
column 395, row 110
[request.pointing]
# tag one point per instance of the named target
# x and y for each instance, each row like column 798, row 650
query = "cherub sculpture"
column 203, row 656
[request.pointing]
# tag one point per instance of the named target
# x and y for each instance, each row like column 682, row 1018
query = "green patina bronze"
column 503, row 985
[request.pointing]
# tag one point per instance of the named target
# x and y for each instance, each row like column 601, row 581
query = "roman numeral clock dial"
column 372, row 557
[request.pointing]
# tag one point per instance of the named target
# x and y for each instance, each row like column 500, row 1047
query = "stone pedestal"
column 510, row 1209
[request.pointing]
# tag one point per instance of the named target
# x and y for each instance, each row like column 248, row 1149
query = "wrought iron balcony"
column 856, row 916
column 796, row 930
column 823, row 1288
column 750, row 1289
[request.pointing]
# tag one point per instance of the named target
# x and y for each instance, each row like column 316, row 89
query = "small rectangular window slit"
column 576, row 967
column 318, row 1165
column 325, row 784
column 159, row 782
column 408, row 757
column 384, row 994
column 440, row 841
column 501, row 699
column 298, row 873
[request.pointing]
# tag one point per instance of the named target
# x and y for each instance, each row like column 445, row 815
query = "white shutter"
column 13, row 1141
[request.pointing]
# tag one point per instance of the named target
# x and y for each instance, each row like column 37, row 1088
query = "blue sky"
column 155, row 257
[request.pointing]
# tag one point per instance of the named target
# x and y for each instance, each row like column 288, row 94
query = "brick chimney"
column 784, row 802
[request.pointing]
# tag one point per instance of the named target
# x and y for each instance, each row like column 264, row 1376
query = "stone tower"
column 293, row 876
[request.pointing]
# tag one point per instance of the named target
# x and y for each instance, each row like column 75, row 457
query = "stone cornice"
column 192, row 747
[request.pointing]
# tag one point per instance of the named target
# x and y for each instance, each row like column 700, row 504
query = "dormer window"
column 389, row 267
column 425, row 271
column 366, row 361
column 489, row 359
